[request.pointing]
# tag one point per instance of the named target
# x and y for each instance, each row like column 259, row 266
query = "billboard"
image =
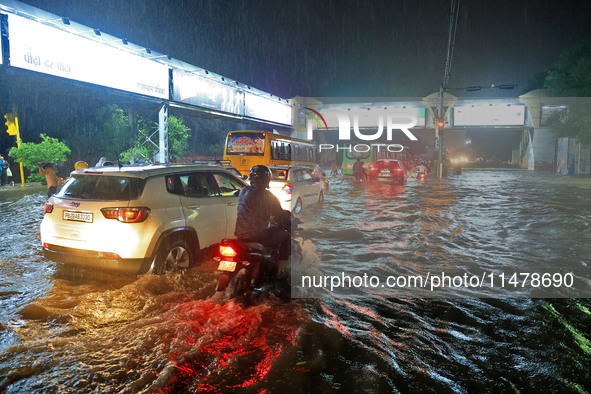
column 41, row 48
column 499, row 114
column 263, row 108
column 197, row 90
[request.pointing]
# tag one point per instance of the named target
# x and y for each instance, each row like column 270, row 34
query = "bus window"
column 280, row 150
column 275, row 149
column 311, row 154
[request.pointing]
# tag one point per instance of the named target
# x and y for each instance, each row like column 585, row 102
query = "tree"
column 48, row 150
column 177, row 138
column 116, row 130
column 570, row 76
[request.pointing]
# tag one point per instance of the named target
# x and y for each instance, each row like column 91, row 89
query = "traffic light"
column 11, row 124
column 439, row 125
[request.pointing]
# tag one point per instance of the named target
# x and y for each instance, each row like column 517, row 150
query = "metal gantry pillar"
column 162, row 156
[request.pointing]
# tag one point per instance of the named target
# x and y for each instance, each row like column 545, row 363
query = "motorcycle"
column 247, row 266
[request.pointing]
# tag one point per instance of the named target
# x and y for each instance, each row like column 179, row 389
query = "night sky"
column 349, row 48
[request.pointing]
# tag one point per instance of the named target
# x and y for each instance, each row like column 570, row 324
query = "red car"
column 388, row 170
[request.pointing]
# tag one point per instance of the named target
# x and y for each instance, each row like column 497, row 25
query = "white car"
column 130, row 219
column 295, row 186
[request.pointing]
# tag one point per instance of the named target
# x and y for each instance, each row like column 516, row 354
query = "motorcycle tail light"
column 227, row 251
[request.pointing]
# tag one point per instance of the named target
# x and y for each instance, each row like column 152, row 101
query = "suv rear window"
column 389, row 164
column 106, row 188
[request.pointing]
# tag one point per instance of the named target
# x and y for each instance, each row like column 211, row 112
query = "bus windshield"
column 251, row 144
column 354, row 154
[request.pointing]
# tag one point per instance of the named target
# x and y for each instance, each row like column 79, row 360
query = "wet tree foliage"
column 570, row 77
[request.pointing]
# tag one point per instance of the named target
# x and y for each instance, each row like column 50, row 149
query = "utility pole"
column 439, row 104
column 439, row 123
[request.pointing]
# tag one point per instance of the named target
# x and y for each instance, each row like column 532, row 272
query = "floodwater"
column 71, row 331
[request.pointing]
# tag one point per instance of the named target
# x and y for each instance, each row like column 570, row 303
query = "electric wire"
column 453, row 25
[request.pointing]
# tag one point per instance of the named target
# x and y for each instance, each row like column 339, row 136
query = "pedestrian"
column 3, row 167
column 9, row 176
column 358, row 170
column 334, row 169
column 50, row 176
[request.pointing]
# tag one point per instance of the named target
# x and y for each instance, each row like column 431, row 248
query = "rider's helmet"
column 260, row 175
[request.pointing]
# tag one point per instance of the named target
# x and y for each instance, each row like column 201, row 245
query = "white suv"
column 130, row 219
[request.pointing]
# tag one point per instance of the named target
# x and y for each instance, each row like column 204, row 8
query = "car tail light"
column 47, row 207
column 286, row 189
column 227, row 251
column 127, row 215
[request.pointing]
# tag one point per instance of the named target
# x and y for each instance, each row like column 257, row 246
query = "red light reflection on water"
column 227, row 347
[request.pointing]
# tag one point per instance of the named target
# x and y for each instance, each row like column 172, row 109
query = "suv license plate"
column 229, row 266
column 78, row 216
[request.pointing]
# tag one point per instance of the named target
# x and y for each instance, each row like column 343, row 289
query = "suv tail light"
column 286, row 189
column 47, row 207
column 127, row 215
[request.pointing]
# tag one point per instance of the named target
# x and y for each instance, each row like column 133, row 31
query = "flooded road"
column 64, row 331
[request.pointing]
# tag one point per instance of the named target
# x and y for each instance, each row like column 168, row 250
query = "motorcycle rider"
column 257, row 209
column 421, row 168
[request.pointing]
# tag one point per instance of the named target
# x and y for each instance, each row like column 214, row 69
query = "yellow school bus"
column 246, row 148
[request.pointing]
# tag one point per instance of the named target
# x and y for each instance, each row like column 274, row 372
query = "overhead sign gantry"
column 38, row 41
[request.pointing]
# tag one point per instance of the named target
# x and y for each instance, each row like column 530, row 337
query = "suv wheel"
column 173, row 256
